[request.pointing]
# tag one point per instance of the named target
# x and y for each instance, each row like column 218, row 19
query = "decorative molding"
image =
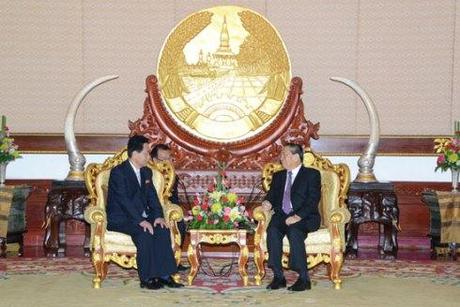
column 331, row 145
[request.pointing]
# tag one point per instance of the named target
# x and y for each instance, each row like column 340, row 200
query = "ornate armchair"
column 107, row 246
column 324, row 245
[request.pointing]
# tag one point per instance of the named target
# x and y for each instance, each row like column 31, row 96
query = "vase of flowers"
column 218, row 208
column 8, row 150
column 448, row 150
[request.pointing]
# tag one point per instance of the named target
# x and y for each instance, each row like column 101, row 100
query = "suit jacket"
column 127, row 200
column 305, row 196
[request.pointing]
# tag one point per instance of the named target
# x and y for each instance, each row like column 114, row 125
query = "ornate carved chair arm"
column 94, row 215
column 339, row 216
column 262, row 216
column 172, row 212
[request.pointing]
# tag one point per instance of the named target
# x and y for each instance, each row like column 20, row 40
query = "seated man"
column 162, row 152
column 294, row 196
column 133, row 208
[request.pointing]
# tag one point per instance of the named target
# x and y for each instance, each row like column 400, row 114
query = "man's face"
column 142, row 158
column 288, row 159
column 164, row 155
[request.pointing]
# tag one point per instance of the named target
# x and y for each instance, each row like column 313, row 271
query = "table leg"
column 193, row 259
column 86, row 244
column 2, row 247
column 389, row 249
column 242, row 262
column 352, row 240
column 52, row 236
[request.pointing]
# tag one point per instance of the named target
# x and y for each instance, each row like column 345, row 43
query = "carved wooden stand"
column 66, row 200
column 373, row 202
column 195, row 159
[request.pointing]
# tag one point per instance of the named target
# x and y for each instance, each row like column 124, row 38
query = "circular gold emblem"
column 224, row 73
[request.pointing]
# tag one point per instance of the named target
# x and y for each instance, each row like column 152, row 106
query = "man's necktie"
column 287, row 194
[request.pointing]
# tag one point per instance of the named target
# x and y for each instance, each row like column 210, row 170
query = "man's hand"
column 292, row 219
column 266, row 206
column 146, row 226
column 160, row 221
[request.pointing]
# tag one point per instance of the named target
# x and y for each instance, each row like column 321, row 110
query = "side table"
column 217, row 237
column 66, row 200
column 373, row 202
column 13, row 216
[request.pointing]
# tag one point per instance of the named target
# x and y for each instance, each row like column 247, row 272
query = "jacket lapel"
column 298, row 178
column 131, row 174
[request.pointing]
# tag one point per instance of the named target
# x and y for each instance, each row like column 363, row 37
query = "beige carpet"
column 73, row 289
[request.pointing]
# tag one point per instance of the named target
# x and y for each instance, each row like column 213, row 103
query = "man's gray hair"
column 296, row 149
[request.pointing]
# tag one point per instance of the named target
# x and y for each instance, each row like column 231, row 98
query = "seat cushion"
column 117, row 242
column 316, row 242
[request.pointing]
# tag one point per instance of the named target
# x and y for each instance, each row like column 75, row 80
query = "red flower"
column 204, row 207
column 211, row 188
column 196, row 201
column 199, row 218
column 441, row 159
column 224, row 199
column 226, row 218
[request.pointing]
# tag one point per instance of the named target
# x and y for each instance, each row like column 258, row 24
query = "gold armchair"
column 327, row 243
column 107, row 246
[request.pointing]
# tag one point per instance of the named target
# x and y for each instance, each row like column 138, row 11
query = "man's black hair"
column 156, row 148
column 136, row 143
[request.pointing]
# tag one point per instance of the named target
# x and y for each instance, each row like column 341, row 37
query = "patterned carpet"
column 443, row 273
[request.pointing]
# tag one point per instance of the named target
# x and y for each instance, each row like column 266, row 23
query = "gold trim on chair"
column 333, row 220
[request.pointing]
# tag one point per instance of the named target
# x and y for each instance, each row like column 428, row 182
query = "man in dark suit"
column 133, row 208
column 294, row 197
column 162, row 152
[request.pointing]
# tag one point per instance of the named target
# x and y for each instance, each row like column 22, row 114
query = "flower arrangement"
column 448, row 150
column 8, row 150
column 218, row 208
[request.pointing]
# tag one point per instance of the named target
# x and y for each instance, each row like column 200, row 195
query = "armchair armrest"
column 94, row 215
column 339, row 216
column 261, row 215
column 172, row 212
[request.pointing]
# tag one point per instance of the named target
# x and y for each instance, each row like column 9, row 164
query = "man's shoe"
column 170, row 283
column 182, row 268
column 277, row 283
column 152, row 284
column 300, row 285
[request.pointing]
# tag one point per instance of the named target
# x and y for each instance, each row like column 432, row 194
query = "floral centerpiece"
column 8, row 150
column 218, row 208
column 448, row 150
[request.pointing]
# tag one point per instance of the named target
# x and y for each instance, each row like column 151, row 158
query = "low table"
column 66, row 200
column 373, row 202
column 217, row 237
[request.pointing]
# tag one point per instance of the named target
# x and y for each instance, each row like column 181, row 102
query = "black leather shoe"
column 277, row 283
column 300, row 285
column 170, row 283
column 182, row 268
column 152, row 284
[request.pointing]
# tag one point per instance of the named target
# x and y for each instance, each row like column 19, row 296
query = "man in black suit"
column 133, row 208
column 162, row 152
column 294, row 197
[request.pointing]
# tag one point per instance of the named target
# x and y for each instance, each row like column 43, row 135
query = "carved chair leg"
column 259, row 257
column 100, row 268
column 336, row 268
